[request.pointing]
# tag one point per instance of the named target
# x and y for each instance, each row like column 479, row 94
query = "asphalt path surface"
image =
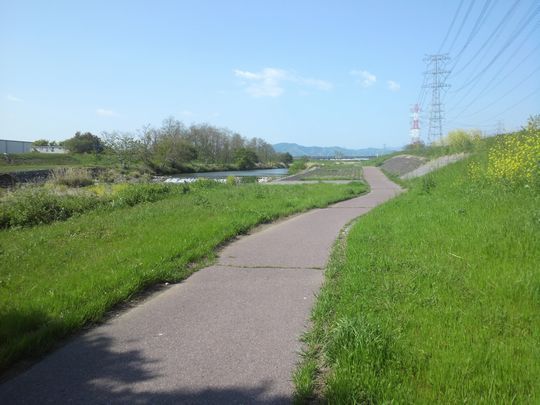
column 229, row 334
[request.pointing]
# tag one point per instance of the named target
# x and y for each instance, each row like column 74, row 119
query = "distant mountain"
column 327, row 151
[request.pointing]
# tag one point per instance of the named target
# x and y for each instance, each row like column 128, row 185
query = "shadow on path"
column 99, row 375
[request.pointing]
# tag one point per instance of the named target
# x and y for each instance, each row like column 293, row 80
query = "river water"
column 235, row 173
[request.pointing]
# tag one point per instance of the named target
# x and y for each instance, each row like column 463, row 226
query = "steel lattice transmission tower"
column 436, row 81
column 415, row 125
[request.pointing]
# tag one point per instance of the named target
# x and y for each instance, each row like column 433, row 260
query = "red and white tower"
column 415, row 125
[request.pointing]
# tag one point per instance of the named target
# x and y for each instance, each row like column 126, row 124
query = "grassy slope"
column 435, row 298
column 38, row 161
column 334, row 171
column 56, row 278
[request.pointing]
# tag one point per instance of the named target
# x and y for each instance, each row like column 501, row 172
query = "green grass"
column 335, row 171
column 435, row 297
column 56, row 278
column 320, row 171
column 38, row 161
column 35, row 205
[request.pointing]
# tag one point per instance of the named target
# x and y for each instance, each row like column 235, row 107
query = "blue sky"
column 312, row 72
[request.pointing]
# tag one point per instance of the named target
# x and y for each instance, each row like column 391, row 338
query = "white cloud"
column 266, row 83
column 269, row 82
column 106, row 113
column 393, row 86
column 364, row 78
column 316, row 83
column 10, row 97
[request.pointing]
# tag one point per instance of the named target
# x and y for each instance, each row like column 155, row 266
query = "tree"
column 173, row 152
column 84, row 143
column 124, row 146
column 533, row 123
column 285, row 158
column 246, row 158
column 41, row 142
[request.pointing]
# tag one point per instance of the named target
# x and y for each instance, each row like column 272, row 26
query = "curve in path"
column 228, row 334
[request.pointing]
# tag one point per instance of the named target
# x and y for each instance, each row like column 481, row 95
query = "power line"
column 451, row 25
column 509, row 42
column 504, row 95
column 493, row 36
column 468, row 12
column 422, row 93
column 518, row 103
column 493, row 83
column 484, row 13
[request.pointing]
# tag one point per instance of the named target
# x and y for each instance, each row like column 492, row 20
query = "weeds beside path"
column 56, row 278
column 435, row 298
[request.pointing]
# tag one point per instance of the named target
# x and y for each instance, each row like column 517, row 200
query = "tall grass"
column 72, row 176
column 56, row 278
column 35, row 205
column 435, row 298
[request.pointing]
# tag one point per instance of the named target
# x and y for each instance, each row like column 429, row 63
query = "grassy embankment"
column 38, row 161
column 334, row 171
column 56, row 278
column 435, row 296
column 41, row 161
column 325, row 170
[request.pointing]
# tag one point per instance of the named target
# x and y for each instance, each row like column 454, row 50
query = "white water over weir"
column 263, row 175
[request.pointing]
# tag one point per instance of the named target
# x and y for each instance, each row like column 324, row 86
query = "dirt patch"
column 401, row 164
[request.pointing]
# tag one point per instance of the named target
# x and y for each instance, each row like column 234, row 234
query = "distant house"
column 50, row 149
column 7, row 146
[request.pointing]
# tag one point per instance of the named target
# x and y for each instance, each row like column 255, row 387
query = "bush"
column 34, row 206
column 515, row 159
column 139, row 193
column 460, row 140
column 231, row 180
column 41, row 205
column 297, row 166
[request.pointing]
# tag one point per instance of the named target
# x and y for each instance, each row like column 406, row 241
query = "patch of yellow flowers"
column 515, row 159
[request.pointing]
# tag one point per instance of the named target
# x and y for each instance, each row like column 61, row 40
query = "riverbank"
column 37, row 168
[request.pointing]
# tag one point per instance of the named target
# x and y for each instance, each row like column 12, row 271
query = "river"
column 235, row 173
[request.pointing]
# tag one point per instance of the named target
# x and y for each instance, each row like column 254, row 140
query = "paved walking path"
column 228, row 334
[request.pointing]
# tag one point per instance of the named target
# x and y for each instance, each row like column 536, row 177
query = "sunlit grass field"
column 56, row 278
column 434, row 298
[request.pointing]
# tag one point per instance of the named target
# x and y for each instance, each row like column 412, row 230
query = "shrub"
column 460, row 140
column 297, row 166
column 139, row 193
column 33, row 206
column 40, row 205
column 231, row 180
column 515, row 159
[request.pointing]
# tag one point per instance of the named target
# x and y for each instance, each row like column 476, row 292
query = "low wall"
column 27, row 176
